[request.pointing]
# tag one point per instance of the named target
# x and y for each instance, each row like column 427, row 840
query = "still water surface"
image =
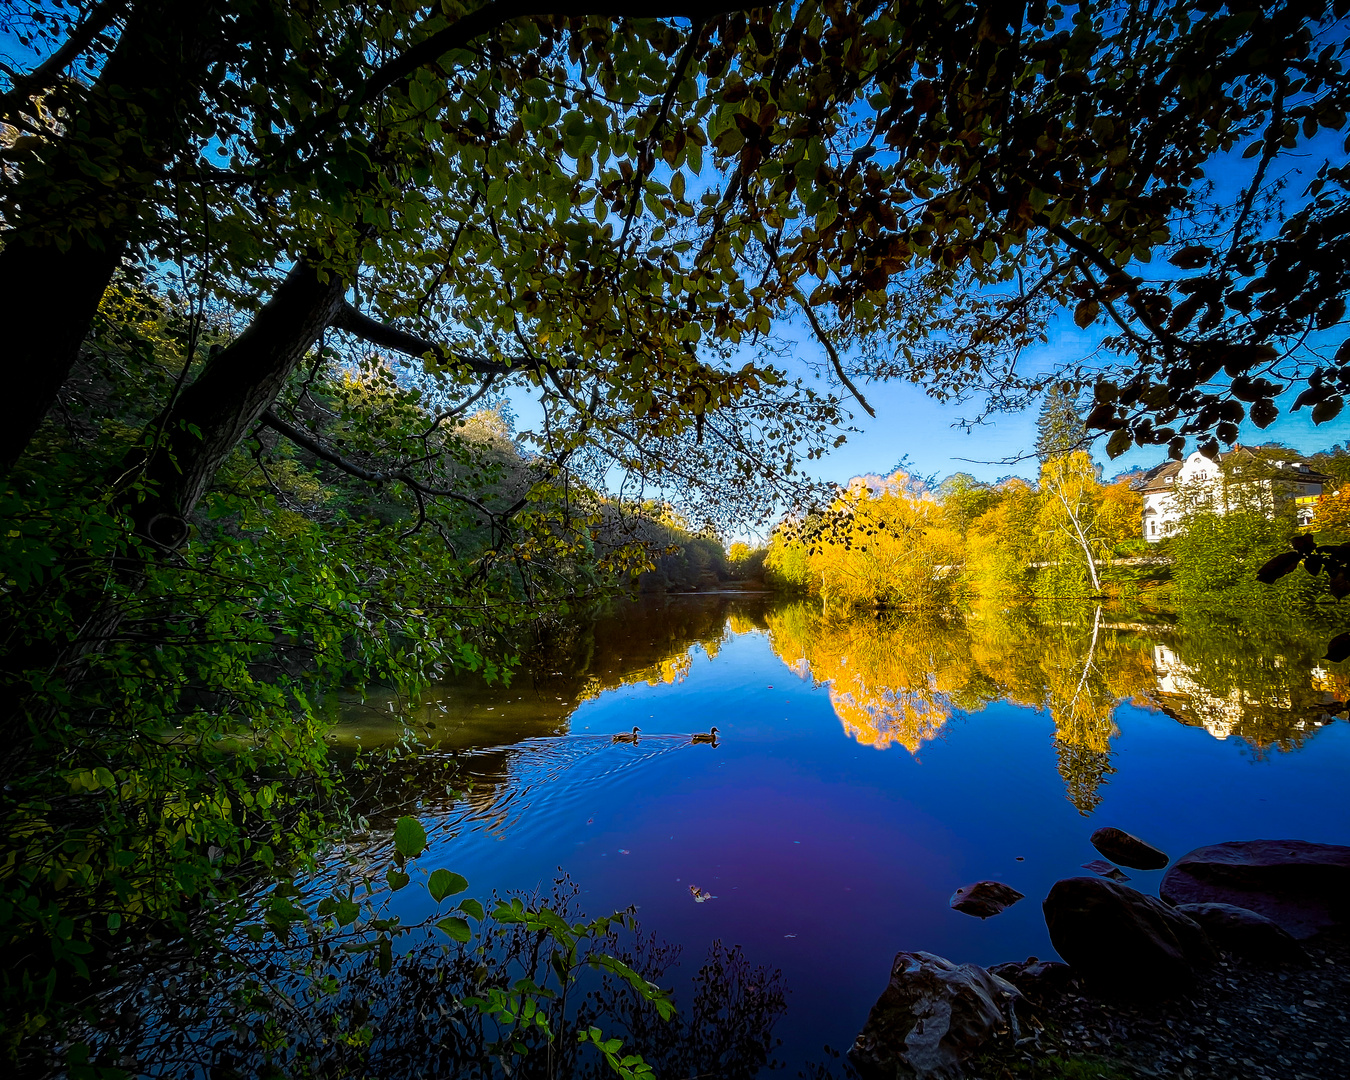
column 865, row 768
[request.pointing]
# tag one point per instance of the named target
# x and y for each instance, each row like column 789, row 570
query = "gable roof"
column 1157, row 478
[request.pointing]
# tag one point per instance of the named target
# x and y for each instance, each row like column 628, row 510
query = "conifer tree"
column 1059, row 428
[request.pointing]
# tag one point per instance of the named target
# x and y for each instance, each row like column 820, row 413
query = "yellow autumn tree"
column 1332, row 515
column 1001, row 542
column 888, row 547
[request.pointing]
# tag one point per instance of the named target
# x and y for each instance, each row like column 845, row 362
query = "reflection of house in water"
column 1280, row 711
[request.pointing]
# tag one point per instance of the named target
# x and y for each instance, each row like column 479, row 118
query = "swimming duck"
column 706, row 737
column 627, row 738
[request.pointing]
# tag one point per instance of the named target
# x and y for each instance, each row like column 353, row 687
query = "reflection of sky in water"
column 826, row 855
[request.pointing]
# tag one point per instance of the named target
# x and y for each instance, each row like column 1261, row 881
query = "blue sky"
column 908, row 422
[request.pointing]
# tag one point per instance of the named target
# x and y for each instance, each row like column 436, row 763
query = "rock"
column 1037, row 979
column 1303, row 887
column 1123, row 941
column 1105, row 869
column 1244, row 932
column 984, row 898
column 931, row 1017
column 1119, row 846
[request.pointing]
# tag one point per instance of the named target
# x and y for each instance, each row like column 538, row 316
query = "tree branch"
column 653, row 140
column 308, row 442
column 833, row 353
column 497, row 13
column 409, row 344
column 42, row 76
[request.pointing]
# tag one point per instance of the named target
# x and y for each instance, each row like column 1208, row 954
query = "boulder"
column 1120, row 847
column 1122, row 941
column 1038, row 980
column 1244, row 932
column 932, row 1016
column 1303, row 887
column 984, row 898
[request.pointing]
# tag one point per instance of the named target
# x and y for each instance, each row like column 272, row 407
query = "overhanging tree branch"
column 42, row 76
column 831, row 351
column 496, row 14
column 379, row 477
column 409, row 344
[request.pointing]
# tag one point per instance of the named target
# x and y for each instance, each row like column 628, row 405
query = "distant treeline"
column 895, row 541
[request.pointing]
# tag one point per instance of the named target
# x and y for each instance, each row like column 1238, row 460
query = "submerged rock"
column 984, row 898
column 1123, row 941
column 932, row 1016
column 1105, row 869
column 1303, row 887
column 1121, row 847
column 1244, row 932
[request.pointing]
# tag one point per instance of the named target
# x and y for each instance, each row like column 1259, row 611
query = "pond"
column 865, row 768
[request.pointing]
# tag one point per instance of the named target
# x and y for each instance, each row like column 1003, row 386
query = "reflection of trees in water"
column 1089, row 669
column 891, row 681
column 561, row 666
column 897, row 679
column 344, row 1018
column 1260, row 679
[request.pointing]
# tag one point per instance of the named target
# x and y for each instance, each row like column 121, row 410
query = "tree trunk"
column 68, row 230
column 223, row 403
column 226, row 400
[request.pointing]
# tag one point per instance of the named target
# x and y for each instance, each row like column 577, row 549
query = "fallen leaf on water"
column 624, row 851
column 699, row 895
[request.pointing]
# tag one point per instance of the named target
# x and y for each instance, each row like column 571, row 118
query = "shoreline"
column 1245, row 1020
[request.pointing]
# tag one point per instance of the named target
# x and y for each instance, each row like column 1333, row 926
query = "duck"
column 705, row 737
column 622, row 737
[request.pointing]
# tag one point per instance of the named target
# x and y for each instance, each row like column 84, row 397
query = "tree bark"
column 69, row 229
column 229, row 397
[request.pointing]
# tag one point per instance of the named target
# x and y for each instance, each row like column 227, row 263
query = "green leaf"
column 472, row 908
column 1327, row 410
column 396, row 878
column 456, row 927
column 443, row 883
column 346, row 912
column 410, row 839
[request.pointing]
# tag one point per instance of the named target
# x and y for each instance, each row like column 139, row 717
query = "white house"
column 1244, row 476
